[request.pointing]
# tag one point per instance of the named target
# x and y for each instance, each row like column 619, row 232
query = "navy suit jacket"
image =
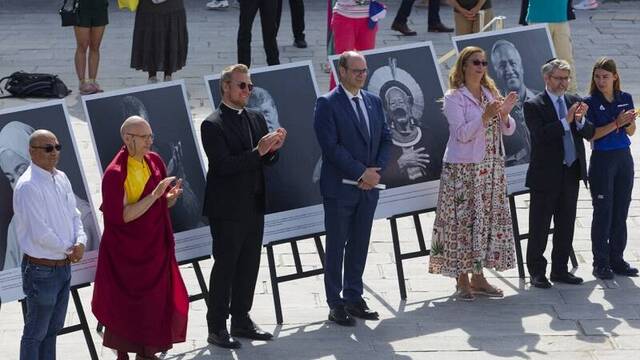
column 346, row 150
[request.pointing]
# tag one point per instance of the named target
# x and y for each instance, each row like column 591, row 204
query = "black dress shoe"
column 339, row 316
column 439, row 28
column 567, row 278
column 625, row 269
column 602, row 272
column 404, row 29
column 540, row 281
column 221, row 338
column 300, row 43
column 250, row 331
column 361, row 310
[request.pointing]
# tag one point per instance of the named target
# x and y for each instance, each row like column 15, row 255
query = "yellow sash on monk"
column 138, row 174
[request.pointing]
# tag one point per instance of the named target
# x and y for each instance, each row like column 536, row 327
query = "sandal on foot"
column 488, row 290
column 464, row 295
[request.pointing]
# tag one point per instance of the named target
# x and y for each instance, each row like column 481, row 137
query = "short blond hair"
column 225, row 75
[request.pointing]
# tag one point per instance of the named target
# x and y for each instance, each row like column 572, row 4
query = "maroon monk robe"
column 138, row 293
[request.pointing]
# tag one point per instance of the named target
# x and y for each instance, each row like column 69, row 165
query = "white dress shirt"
column 45, row 214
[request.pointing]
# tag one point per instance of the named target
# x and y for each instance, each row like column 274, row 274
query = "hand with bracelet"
column 624, row 118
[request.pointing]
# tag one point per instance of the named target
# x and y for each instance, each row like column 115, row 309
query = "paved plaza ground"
column 597, row 320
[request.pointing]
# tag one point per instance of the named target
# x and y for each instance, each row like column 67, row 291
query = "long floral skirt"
column 473, row 228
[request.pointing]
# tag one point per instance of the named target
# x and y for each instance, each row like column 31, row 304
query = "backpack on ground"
column 21, row 84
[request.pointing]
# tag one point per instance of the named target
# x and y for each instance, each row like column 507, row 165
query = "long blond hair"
column 456, row 75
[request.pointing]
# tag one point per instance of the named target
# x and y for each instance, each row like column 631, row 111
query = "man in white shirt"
column 52, row 237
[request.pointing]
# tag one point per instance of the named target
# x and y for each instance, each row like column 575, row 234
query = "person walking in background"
column 160, row 38
column 351, row 28
column 92, row 19
column 52, row 237
column 557, row 14
column 466, row 14
column 434, row 24
column 557, row 126
column 297, row 21
column 610, row 169
column 269, row 22
column 473, row 228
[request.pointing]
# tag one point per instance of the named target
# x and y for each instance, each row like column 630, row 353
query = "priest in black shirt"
column 238, row 146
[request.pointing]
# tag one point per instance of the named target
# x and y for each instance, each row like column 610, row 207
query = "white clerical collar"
column 239, row 111
column 350, row 95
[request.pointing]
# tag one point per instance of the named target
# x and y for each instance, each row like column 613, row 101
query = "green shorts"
column 93, row 13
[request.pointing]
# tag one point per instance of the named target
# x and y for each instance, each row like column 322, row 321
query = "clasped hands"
column 500, row 107
column 369, row 179
column 272, row 141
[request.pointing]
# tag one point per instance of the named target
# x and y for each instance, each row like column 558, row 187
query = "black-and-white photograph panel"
column 286, row 96
column 166, row 109
column 515, row 57
column 407, row 79
column 16, row 126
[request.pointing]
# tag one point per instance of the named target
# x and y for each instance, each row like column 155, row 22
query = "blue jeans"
column 47, row 291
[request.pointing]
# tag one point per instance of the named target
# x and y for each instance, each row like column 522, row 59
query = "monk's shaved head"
column 133, row 122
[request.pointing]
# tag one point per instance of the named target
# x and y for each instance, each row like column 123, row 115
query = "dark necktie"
column 567, row 138
column 361, row 119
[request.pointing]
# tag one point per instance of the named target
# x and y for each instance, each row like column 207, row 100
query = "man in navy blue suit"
column 355, row 142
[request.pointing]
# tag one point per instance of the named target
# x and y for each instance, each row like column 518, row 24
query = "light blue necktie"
column 567, row 138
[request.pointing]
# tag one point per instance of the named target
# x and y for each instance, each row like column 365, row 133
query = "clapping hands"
column 272, row 141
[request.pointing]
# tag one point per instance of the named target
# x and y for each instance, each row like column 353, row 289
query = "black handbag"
column 69, row 13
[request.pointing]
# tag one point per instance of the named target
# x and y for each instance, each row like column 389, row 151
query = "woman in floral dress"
column 473, row 227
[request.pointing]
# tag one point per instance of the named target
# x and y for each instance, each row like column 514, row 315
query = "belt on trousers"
column 47, row 262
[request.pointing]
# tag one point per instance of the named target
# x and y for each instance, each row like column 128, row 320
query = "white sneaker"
column 217, row 4
column 586, row 5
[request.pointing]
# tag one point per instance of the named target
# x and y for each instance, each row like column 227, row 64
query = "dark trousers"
column 405, row 10
column 348, row 229
column 297, row 17
column 611, row 182
column 236, row 253
column 268, row 16
column 559, row 203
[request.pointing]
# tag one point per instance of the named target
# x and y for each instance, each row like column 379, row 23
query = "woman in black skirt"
column 160, row 38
